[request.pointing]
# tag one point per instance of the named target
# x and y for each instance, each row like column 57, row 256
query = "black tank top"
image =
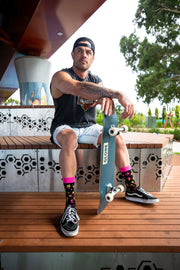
column 72, row 110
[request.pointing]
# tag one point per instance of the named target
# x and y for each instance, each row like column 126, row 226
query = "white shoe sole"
column 148, row 201
column 68, row 233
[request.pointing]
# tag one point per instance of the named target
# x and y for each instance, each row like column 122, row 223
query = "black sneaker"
column 69, row 222
column 140, row 195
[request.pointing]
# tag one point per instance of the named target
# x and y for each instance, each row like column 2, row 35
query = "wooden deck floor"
column 28, row 222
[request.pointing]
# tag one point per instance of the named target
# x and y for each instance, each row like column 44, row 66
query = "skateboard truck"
column 112, row 191
column 114, row 131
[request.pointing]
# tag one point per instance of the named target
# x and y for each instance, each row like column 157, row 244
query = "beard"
column 81, row 67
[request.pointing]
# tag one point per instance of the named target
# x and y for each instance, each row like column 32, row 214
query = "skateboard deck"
column 107, row 162
column 107, row 190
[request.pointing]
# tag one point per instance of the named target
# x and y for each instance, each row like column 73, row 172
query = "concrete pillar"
column 34, row 77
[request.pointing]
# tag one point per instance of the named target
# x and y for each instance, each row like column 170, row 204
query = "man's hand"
column 128, row 106
column 107, row 105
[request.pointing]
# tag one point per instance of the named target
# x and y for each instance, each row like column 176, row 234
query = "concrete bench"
column 30, row 163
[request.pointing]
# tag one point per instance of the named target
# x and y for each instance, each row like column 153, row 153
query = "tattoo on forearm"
column 98, row 91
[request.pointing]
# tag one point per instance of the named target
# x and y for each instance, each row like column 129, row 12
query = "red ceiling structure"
column 38, row 28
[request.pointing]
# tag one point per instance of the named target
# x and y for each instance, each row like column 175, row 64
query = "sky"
column 106, row 27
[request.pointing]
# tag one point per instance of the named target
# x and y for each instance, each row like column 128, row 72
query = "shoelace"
column 143, row 191
column 71, row 215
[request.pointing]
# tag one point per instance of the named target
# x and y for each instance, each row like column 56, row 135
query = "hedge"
column 176, row 132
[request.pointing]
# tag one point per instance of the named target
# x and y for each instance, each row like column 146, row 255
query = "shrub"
column 176, row 132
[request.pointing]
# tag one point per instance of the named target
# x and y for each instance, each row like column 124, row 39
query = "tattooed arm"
column 62, row 83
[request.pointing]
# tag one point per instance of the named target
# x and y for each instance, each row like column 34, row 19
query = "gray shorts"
column 87, row 135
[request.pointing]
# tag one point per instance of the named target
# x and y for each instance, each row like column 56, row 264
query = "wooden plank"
column 133, row 140
column 176, row 160
column 90, row 245
column 44, row 142
column 3, row 143
column 41, row 142
column 22, row 223
column 147, row 140
column 43, row 226
column 51, row 145
column 23, row 143
column 92, row 235
column 116, row 224
column 30, row 142
column 10, row 143
column 160, row 214
column 17, row 142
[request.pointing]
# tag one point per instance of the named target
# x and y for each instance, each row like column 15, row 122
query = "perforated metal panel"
column 39, row 170
column 5, row 120
column 49, row 173
column 31, row 122
column 18, row 170
column 26, row 121
column 155, row 167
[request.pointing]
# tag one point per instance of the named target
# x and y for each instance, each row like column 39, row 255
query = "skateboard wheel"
column 125, row 128
column 112, row 131
column 109, row 197
column 121, row 188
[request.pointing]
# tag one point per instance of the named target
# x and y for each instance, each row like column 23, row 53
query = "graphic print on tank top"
column 85, row 103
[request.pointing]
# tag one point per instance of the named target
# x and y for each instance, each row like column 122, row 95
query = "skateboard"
column 107, row 189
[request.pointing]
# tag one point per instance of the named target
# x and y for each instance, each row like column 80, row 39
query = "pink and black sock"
column 69, row 190
column 128, row 178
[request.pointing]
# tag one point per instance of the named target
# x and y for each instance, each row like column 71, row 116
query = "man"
column 76, row 92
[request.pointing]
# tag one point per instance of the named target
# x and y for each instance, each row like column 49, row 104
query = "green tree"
column 177, row 111
column 157, row 113
column 149, row 112
column 138, row 120
column 164, row 113
column 99, row 117
column 156, row 59
column 119, row 110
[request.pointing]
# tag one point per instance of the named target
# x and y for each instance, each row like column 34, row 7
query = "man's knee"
column 67, row 139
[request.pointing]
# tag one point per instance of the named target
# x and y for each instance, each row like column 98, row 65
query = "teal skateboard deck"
column 107, row 164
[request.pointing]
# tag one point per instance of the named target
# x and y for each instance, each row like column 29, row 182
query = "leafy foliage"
column 11, row 102
column 156, row 59
column 149, row 112
column 177, row 111
column 157, row 113
column 99, row 117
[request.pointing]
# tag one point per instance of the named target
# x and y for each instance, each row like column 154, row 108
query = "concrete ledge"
column 31, row 163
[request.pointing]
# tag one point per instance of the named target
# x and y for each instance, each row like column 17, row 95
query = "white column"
column 34, row 77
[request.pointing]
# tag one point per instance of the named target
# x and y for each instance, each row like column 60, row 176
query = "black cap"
column 91, row 45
